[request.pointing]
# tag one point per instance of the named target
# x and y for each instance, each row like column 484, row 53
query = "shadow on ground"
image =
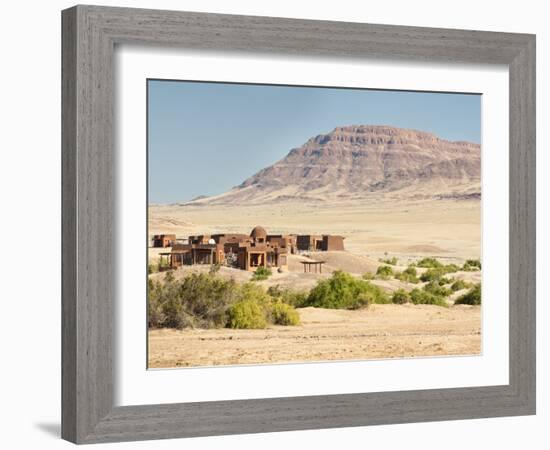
column 53, row 429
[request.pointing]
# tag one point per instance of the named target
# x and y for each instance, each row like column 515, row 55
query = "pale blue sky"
column 205, row 138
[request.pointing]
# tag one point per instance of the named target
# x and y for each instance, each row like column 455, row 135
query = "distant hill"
column 356, row 161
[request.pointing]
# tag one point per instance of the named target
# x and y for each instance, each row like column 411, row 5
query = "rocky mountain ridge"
column 352, row 162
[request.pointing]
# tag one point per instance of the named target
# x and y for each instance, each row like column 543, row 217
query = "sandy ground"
column 448, row 229
column 381, row 331
column 373, row 228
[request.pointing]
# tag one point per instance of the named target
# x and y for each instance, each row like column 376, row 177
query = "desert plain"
column 374, row 229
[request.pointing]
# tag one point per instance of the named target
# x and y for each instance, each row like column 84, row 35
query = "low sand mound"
column 348, row 262
column 294, row 280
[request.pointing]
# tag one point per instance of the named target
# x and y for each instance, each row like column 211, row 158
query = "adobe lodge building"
column 247, row 252
column 164, row 240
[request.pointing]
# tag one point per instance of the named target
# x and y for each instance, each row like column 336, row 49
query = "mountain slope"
column 356, row 161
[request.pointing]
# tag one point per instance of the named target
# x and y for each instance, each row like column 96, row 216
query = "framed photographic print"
column 267, row 222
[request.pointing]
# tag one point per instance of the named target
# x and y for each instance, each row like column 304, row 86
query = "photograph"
column 294, row 224
column 273, row 225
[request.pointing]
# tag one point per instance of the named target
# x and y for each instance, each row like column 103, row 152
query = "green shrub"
column 391, row 261
column 283, row 314
column 472, row 265
column 451, row 268
column 438, row 274
column 432, row 275
column 246, row 314
column 472, row 297
column 343, row 291
column 458, row 285
column 433, row 287
column 368, row 276
column 206, row 298
column 261, row 273
column 429, row 263
column 422, row 297
column 384, row 272
column 155, row 317
column 255, row 293
column 199, row 300
column 400, row 297
column 408, row 275
column 432, row 263
column 289, row 296
column 208, row 301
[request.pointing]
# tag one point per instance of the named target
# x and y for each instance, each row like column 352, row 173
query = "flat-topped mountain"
column 355, row 161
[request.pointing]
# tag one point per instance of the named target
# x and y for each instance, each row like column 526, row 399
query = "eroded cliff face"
column 356, row 161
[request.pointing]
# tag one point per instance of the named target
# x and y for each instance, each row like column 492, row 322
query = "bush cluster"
column 435, row 268
column 298, row 299
column 423, row 297
column 429, row 263
column 208, row 301
column 436, row 275
column 343, row 291
column 391, row 261
column 384, row 272
column 261, row 273
column 246, row 314
column 472, row 297
column 400, row 297
column 409, row 275
column 435, row 288
column 458, row 285
column 284, row 314
column 472, row 265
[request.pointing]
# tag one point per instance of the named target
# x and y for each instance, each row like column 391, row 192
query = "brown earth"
column 381, row 331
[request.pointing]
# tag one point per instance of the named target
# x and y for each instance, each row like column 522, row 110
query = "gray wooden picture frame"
column 90, row 34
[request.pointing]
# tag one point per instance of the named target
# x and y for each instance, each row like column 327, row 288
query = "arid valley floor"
column 407, row 229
